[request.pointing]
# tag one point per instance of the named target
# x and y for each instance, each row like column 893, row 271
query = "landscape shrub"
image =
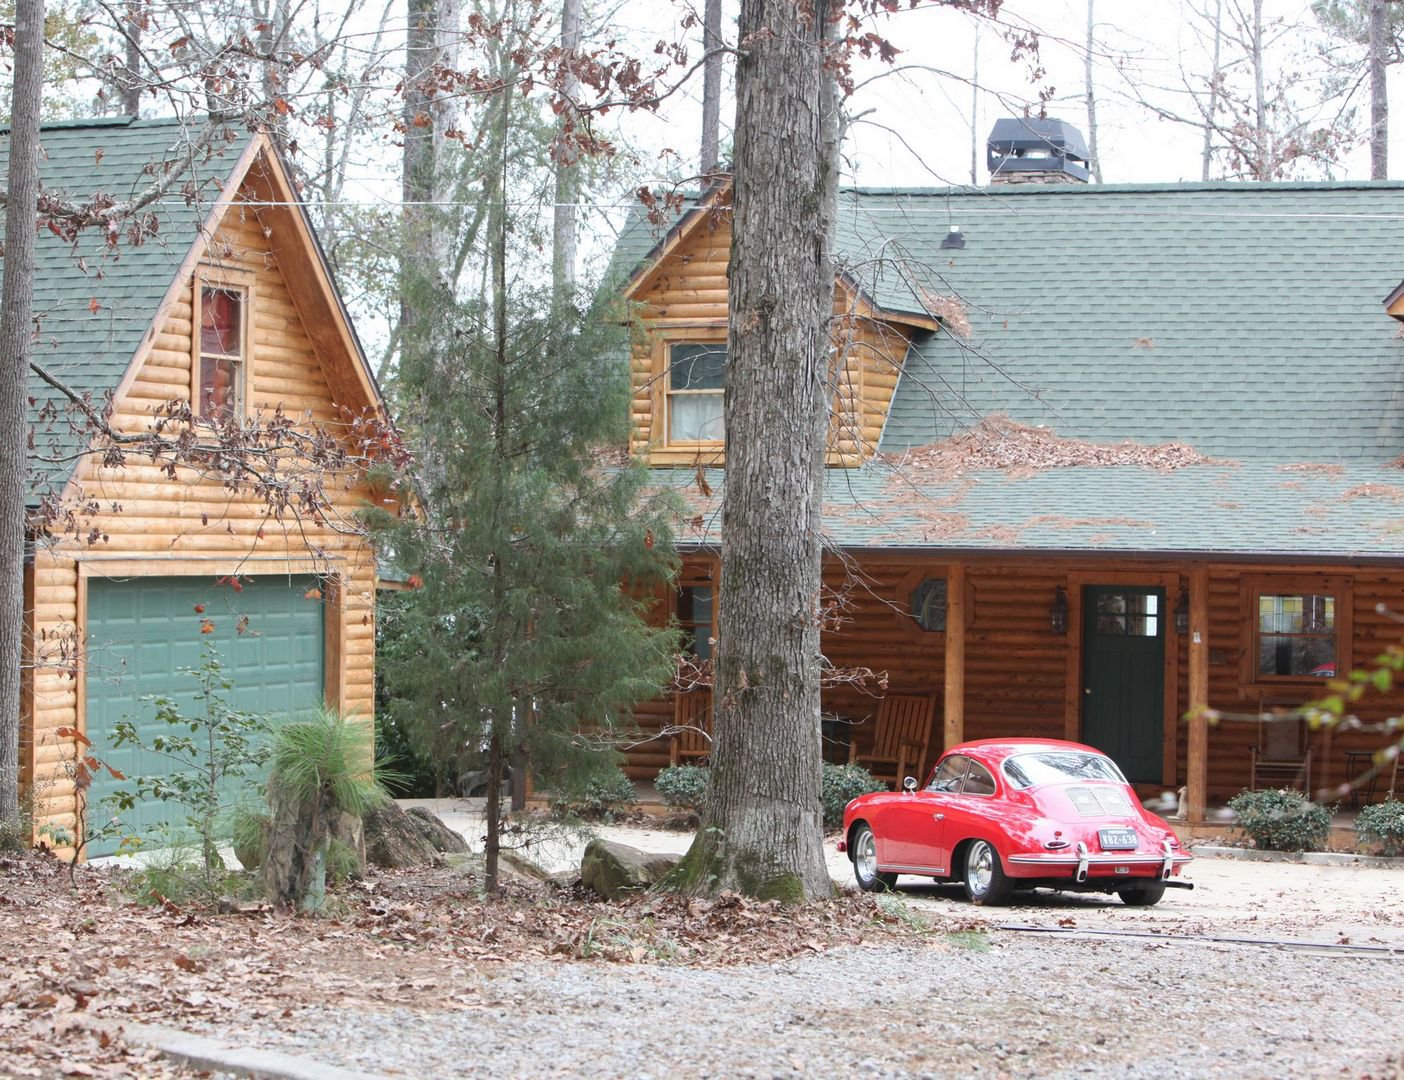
column 843, row 784
column 598, row 799
column 1382, row 824
column 683, row 787
column 1282, row 820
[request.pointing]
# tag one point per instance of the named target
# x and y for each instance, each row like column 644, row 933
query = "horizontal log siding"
column 193, row 525
column 689, row 289
column 1016, row 668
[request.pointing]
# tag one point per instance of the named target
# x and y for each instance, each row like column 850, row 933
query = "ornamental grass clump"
column 1282, row 820
column 841, row 785
column 320, row 785
column 683, row 787
column 1382, row 825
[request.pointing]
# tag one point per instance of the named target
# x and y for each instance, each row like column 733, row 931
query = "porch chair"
column 901, row 735
column 692, row 716
column 1282, row 756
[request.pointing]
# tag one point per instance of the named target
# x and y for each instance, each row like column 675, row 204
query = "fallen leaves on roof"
column 998, row 442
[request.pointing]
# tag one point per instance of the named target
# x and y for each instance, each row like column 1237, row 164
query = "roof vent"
column 1031, row 151
column 953, row 239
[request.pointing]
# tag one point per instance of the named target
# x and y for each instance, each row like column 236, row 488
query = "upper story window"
column 222, row 353
column 694, row 390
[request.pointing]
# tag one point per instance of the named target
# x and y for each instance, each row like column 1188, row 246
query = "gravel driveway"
column 1078, row 1000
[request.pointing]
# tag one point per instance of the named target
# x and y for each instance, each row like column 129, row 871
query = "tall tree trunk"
column 1263, row 165
column 1214, row 90
column 1379, row 93
column 761, row 832
column 710, row 154
column 131, row 75
column 566, row 215
column 1096, row 161
column 16, row 332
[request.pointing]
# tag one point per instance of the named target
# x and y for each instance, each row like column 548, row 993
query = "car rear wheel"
column 865, row 864
column 1143, row 895
column 985, row 880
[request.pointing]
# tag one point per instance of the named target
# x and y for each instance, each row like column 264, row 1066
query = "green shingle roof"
column 1245, row 320
column 94, row 302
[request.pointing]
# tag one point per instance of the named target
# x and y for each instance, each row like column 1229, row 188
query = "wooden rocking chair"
column 901, row 736
column 1282, row 756
column 692, row 716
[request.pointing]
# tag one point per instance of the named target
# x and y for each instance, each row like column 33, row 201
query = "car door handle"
column 938, row 817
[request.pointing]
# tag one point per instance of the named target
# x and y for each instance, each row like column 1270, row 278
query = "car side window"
column 949, row 774
column 978, row 780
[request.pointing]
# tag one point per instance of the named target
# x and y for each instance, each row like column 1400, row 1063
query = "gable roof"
column 95, row 302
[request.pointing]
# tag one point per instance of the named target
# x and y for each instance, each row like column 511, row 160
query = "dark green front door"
column 1123, row 676
column 143, row 633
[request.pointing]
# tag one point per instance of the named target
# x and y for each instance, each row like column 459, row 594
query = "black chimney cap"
column 1031, row 145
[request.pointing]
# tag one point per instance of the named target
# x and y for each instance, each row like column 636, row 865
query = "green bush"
column 1383, row 824
column 1282, row 820
column 683, row 787
column 599, row 799
column 843, row 784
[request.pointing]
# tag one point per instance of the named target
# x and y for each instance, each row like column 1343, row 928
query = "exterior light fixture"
column 1058, row 612
column 1182, row 611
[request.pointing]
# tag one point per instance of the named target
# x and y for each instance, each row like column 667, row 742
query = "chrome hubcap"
column 865, row 858
column 979, row 871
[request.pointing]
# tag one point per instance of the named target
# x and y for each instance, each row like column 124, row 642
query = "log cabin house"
column 216, row 294
column 1101, row 455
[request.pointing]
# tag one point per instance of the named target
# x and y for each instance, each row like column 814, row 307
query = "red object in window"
column 220, row 324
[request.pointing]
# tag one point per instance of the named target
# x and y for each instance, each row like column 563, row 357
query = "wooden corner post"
column 954, row 711
column 1197, row 768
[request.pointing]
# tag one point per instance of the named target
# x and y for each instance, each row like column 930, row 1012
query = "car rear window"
column 1059, row 767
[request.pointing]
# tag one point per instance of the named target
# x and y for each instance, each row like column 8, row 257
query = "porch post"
column 1197, row 778
column 955, row 655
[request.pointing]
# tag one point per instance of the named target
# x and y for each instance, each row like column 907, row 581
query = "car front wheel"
column 1143, row 895
column 985, row 881
column 865, row 864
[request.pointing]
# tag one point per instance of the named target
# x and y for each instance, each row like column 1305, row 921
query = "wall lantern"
column 1182, row 612
column 1058, row 612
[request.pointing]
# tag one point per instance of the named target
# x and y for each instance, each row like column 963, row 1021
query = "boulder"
column 614, row 870
column 395, row 840
column 441, row 838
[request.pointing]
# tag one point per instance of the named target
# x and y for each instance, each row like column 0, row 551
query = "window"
column 929, row 605
column 222, row 349
column 949, row 774
column 694, row 389
column 1297, row 634
column 694, row 610
column 1130, row 613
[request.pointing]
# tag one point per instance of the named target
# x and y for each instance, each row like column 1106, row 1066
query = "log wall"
column 191, row 525
column 1018, row 673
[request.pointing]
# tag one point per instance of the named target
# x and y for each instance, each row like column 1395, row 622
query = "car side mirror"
column 909, row 784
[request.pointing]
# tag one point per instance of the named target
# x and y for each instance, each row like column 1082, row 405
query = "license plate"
column 1117, row 839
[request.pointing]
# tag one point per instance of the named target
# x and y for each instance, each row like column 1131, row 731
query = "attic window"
column 222, row 353
column 695, row 375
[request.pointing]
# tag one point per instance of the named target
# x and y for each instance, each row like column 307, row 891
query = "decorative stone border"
column 1310, row 858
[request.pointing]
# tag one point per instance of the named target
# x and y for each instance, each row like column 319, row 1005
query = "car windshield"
column 1058, row 767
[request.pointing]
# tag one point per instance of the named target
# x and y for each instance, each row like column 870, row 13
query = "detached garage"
column 145, row 636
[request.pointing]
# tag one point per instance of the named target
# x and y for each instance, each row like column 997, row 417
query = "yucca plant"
column 321, row 783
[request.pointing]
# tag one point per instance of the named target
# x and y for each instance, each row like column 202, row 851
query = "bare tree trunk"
column 131, row 76
column 975, row 139
column 1260, row 128
column 1379, row 93
column 566, row 216
column 16, row 332
column 710, row 154
column 1214, row 76
column 761, row 832
column 1096, row 161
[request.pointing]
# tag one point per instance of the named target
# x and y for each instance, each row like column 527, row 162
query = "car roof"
column 997, row 750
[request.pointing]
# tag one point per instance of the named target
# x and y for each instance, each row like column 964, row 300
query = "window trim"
column 1254, row 586
column 242, row 285
column 662, row 398
column 711, row 624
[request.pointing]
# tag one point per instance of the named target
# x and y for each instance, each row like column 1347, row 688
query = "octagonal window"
column 928, row 605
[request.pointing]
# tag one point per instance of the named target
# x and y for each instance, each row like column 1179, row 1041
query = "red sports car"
column 1005, row 814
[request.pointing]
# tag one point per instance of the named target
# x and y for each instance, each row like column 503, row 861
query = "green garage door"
column 145, row 633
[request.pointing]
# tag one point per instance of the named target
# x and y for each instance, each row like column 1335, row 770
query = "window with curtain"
column 695, row 377
column 222, row 351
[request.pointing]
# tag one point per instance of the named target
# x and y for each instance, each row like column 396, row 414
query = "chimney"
column 1028, row 151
